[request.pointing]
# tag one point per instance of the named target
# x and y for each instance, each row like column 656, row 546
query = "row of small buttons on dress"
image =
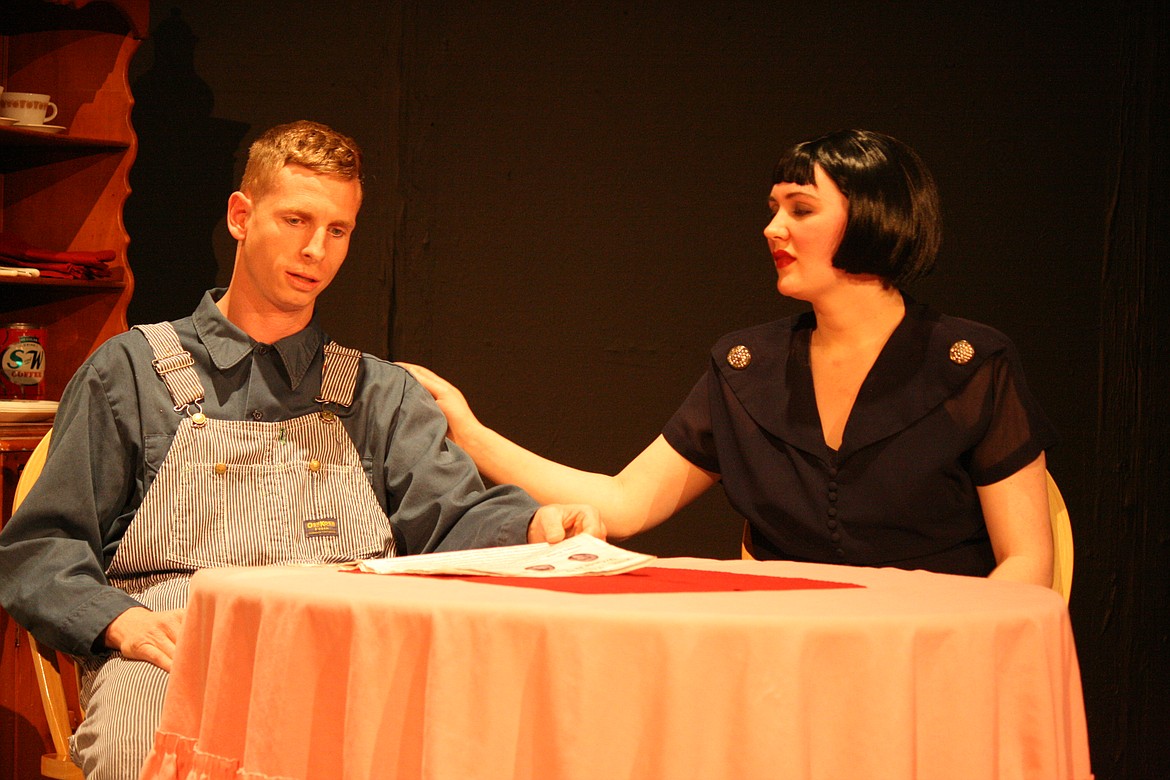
column 833, row 524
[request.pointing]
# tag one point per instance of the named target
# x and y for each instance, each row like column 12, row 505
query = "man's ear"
column 238, row 210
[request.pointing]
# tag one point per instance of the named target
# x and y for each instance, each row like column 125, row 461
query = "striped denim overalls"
column 228, row 493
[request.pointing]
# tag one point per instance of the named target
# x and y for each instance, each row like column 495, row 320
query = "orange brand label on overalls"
column 321, row 526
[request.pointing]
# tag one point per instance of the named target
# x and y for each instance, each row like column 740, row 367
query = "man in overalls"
column 239, row 436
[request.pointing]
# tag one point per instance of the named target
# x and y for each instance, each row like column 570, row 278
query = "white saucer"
column 6, row 120
column 42, row 128
column 27, row 411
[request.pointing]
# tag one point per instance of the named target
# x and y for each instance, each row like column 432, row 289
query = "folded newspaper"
column 581, row 555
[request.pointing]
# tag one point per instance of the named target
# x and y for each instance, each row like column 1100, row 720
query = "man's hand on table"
column 140, row 634
column 555, row 522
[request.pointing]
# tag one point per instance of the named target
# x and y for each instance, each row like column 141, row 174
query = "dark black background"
column 564, row 206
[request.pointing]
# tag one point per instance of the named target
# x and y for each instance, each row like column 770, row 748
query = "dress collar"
column 228, row 345
column 912, row 375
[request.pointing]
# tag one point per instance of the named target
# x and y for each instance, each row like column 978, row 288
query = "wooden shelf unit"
column 62, row 192
column 67, row 191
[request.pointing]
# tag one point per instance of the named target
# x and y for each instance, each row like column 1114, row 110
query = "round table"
column 315, row 673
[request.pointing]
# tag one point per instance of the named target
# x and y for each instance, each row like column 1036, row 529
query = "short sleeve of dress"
column 1015, row 429
column 689, row 431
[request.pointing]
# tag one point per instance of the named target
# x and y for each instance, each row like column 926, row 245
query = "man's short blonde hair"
column 312, row 145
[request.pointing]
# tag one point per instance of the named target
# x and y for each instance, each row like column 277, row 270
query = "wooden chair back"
column 51, row 668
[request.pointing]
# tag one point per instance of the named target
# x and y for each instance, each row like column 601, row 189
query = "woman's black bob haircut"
column 894, row 227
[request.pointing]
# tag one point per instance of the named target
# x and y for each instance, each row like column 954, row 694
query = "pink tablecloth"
column 312, row 673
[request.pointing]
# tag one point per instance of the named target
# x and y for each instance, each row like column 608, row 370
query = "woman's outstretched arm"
column 650, row 489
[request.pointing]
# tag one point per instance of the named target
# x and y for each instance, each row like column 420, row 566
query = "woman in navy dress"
column 870, row 430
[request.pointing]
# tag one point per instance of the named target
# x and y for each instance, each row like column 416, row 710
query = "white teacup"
column 27, row 108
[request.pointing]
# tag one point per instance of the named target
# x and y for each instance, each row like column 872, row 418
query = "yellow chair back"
column 1062, row 541
column 47, row 662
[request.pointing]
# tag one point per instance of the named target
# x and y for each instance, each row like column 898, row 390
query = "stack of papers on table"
column 581, row 555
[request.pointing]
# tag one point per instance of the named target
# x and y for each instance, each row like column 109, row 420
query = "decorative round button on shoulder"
column 199, row 419
column 739, row 357
column 962, row 352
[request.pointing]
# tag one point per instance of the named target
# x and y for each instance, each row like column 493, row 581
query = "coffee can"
column 22, row 361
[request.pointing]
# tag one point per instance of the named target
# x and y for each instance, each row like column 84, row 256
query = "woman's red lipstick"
column 782, row 258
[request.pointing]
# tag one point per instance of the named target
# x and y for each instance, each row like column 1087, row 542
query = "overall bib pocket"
column 232, row 515
column 332, row 527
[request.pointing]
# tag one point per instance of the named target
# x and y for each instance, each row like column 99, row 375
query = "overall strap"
column 339, row 374
column 174, row 364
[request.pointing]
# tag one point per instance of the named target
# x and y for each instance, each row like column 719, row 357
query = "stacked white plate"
column 27, row 411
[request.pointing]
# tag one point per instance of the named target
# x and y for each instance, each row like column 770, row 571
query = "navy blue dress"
column 945, row 408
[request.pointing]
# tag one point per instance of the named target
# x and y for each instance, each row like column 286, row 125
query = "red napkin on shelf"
column 55, row 265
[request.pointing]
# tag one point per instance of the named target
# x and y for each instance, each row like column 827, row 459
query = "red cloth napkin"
column 55, row 265
column 654, row 579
